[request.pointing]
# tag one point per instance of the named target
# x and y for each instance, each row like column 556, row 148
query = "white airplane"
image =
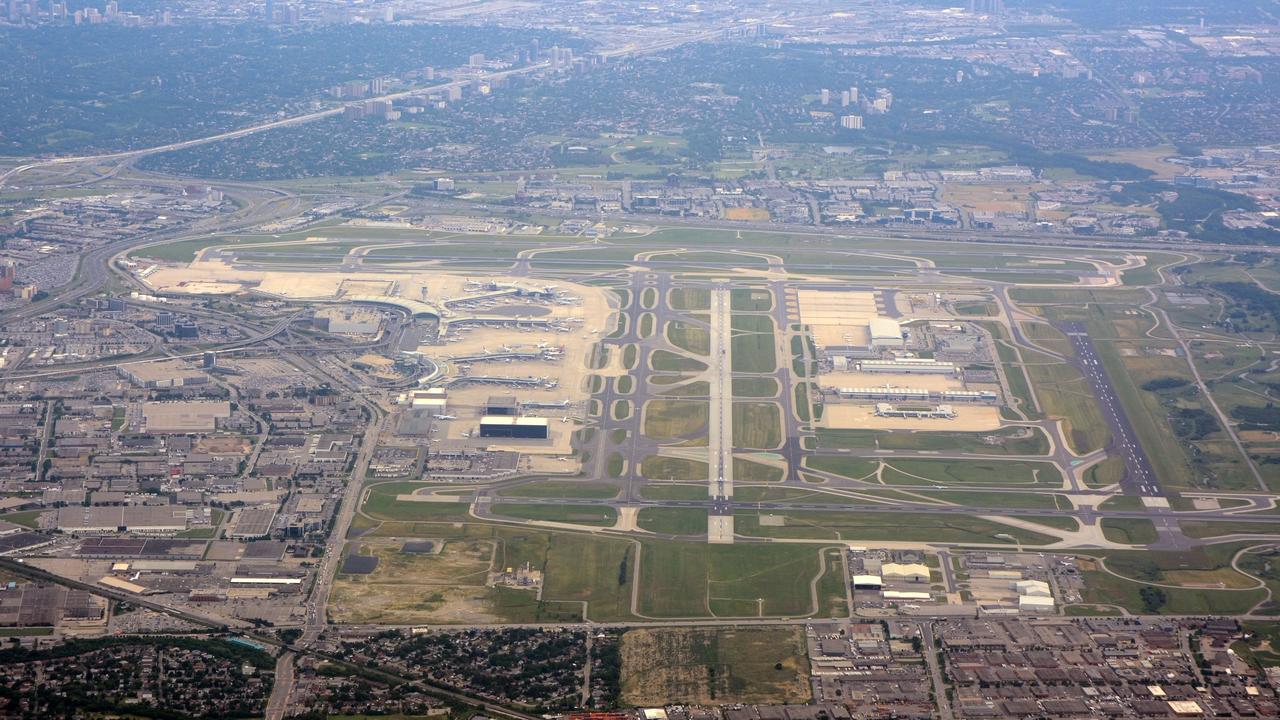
column 445, row 417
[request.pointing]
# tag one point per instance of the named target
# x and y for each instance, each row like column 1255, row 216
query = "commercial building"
column 106, row 519
column 933, row 412
column 433, row 399
column 921, row 366
column 867, row 582
column 885, row 333
column 907, row 572
column 162, row 374
column 502, row 405
column 191, row 416
column 253, row 523
column 348, row 320
column 1035, row 604
column 504, row 426
column 900, row 394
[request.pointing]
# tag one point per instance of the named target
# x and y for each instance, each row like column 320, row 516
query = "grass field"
column 668, row 419
column 698, row 388
column 906, row 527
column 971, row 472
column 757, row 425
column 647, row 323
column 750, row 300
column 1009, row 500
column 1012, row 441
column 755, row 387
column 747, row 471
column 667, row 491
column 1108, row 472
column 1065, row 394
column 707, row 666
column 752, row 344
column 696, row 580
column 691, row 338
column 690, row 299
column 578, row 568
column 664, row 361
column 855, row 468
column 1132, row 531
column 658, row 467
column 381, row 504
column 1217, row 528
column 417, row 588
column 673, row 521
column 649, row 298
column 1202, row 565
column 562, row 489
column 577, row 514
column 621, row 409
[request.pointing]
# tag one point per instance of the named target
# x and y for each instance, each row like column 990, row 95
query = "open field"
column 900, row 527
column 1008, row 441
column 691, row 338
column 1203, row 573
column 673, row 521
column 668, row 419
column 970, row 472
column 752, row 344
column 578, row 568
column 757, row 425
column 1133, row 531
column 576, row 514
column 688, row 580
column 714, row 665
column 417, row 588
column 658, row 467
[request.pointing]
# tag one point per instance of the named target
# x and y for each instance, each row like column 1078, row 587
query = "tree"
column 1153, row 598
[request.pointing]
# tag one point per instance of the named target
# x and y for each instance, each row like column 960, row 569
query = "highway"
column 628, row 49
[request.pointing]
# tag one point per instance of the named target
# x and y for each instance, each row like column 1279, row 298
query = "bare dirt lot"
column 413, row 588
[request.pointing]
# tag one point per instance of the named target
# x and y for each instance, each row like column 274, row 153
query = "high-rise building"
column 844, row 98
column 825, row 96
column 269, row 12
column 476, row 59
column 8, row 273
column 851, row 122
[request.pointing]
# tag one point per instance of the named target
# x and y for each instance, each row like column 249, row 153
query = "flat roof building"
column 923, row 366
column 502, row 405
column 885, row 333
column 162, row 374
column 253, row 523
column 910, row 572
column 106, row 519
column 503, row 426
column 187, row 416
